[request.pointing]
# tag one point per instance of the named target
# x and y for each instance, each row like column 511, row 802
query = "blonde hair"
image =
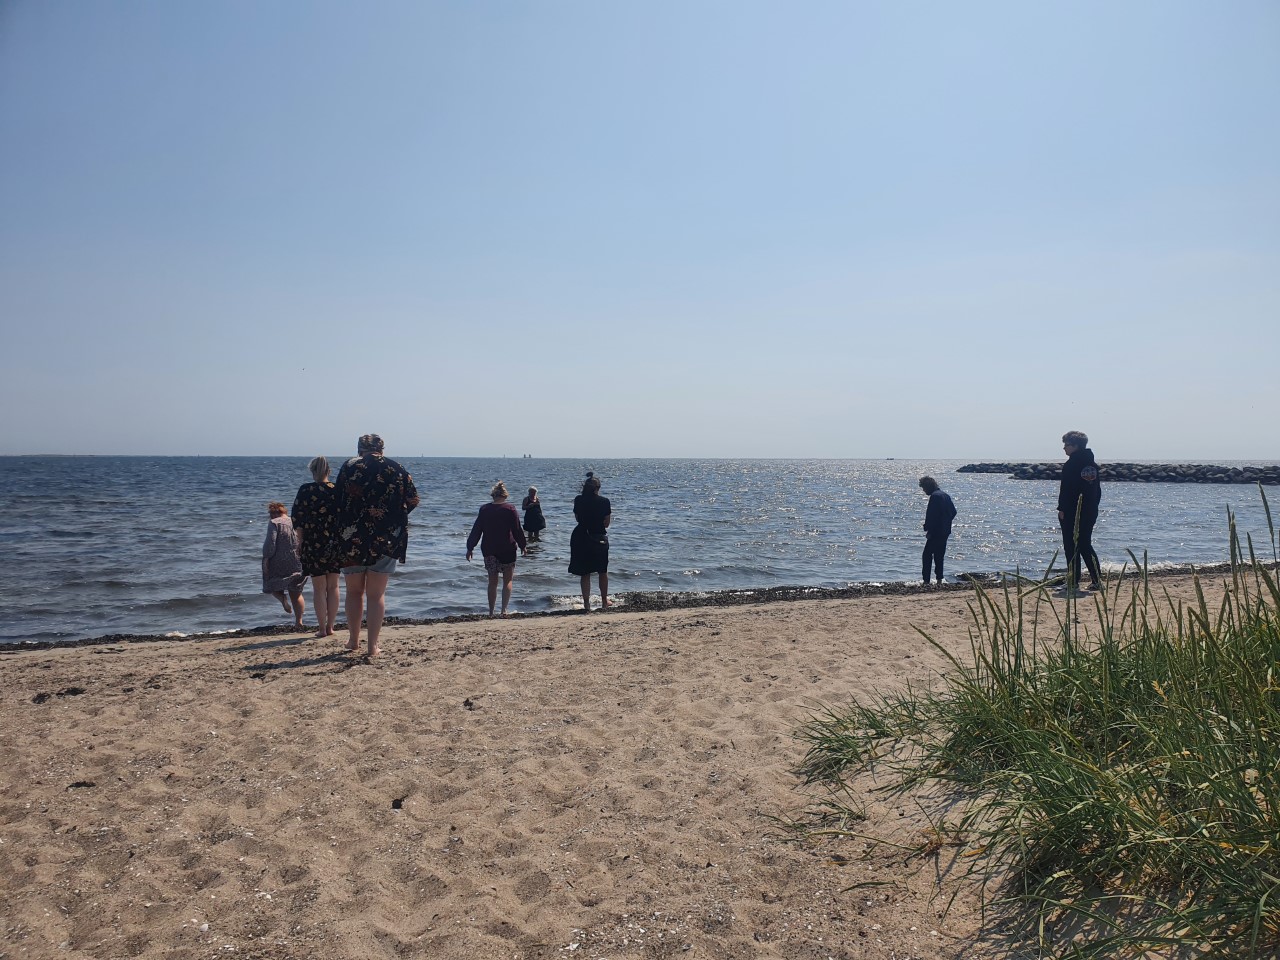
column 499, row 491
column 319, row 468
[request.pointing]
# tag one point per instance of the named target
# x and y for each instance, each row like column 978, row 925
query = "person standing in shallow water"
column 282, row 575
column 534, row 521
column 375, row 497
column 937, row 527
column 589, row 542
column 499, row 526
column 1079, row 495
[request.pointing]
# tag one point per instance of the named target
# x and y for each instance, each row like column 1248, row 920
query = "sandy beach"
column 599, row 786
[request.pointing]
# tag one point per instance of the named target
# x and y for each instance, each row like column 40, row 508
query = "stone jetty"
column 1139, row 472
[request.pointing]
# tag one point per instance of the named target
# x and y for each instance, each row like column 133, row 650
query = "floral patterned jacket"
column 375, row 496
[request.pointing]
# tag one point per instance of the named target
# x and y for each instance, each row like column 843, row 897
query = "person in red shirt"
column 497, row 530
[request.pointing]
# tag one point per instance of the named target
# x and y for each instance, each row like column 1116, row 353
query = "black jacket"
column 939, row 514
column 1080, row 479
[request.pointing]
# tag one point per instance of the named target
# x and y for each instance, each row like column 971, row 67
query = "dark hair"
column 591, row 486
column 1076, row 439
column 928, row 484
column 369, row 443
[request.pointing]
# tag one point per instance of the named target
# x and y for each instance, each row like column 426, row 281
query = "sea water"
column 161, row 545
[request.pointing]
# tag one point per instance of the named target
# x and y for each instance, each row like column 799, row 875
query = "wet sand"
column 593, row 786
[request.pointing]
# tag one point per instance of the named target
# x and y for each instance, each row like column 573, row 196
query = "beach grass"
column 1116, row 761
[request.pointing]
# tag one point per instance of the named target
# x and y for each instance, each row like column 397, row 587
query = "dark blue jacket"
column 939, row 514
column 1080, row 479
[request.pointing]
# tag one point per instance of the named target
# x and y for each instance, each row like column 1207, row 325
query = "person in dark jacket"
column 1079, row 495
column 937, row 527
column 497, row 530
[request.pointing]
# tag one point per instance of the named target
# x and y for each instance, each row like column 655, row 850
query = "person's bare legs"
column 604, row 590
column 320, row 602
column 586, row 593
column 284, row 600
column 493, row 590
column 331, row 603
column 299, row 606
column 376, row 602
column 355, row 608
column 507, row 576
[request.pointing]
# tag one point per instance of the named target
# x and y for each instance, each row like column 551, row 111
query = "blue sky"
column 594, row 229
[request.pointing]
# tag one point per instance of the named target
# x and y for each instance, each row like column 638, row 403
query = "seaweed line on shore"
column 640, row 602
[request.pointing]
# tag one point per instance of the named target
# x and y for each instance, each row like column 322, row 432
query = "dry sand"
column 581, row 786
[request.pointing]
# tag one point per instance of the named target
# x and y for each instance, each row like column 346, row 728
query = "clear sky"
column 597, row 229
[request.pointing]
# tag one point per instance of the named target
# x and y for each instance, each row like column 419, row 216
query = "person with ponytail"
column 589, row 542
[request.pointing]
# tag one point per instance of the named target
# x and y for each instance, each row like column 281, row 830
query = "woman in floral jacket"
column 375, row 497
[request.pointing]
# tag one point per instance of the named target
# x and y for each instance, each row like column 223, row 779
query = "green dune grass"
column 1118, row 782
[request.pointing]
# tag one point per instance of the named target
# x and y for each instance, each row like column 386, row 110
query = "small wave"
column 562, row 602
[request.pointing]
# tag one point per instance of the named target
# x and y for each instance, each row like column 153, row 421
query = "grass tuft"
column 1119, row 784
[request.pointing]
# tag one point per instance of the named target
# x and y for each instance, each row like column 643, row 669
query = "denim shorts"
column 384, row 565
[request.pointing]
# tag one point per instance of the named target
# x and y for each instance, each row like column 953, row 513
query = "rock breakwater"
column 1140, row 472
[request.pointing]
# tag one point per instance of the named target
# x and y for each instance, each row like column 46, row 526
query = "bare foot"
column 374, row 651
column 353, row 645
column 320, row 634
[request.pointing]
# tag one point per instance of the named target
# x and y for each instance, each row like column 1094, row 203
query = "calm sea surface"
column 155, row 545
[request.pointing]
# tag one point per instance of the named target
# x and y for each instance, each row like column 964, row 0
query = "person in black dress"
column 589, row 542
column 315, row 517
column 534, row 521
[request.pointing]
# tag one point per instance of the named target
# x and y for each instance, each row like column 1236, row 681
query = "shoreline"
column 632, row 602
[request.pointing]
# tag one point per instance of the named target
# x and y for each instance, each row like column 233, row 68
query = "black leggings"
column 935, row 550
column 1074, row 552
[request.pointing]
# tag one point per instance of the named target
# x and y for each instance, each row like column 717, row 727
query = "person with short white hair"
column 1079, row 494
